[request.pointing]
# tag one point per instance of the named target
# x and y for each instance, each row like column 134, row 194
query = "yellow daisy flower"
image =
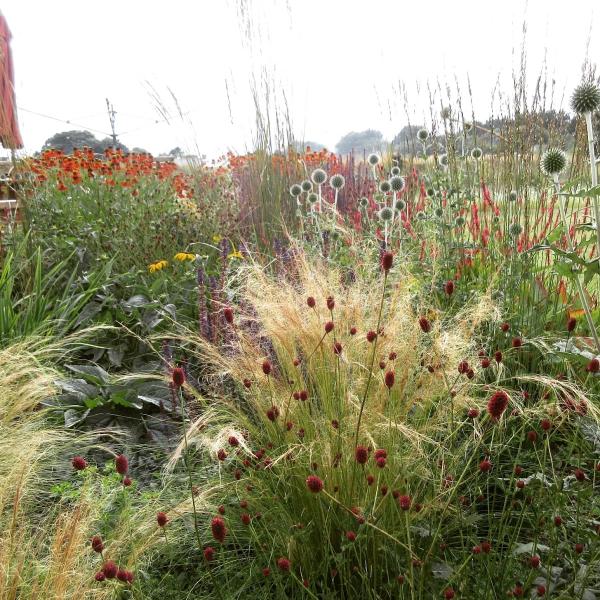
column 159, row 265
column 217, row 238
column 235, row 254
column 181, row 256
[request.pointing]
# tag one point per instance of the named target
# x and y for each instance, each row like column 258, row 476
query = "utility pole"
column 111, row 117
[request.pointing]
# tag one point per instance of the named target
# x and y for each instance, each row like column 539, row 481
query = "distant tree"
column 137, row 150
column 176, row 152
column 367, row 140
column 67, row 141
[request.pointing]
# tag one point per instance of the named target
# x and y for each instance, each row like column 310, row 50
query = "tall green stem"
column 594, row 173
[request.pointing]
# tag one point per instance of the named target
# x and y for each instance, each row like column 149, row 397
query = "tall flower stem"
column 578, row 279
column 594, row 174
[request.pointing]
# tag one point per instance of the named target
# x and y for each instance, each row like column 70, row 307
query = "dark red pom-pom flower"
column 110, row 569
column 266, row 367
column 97, row 544
column 593, row 366
column 283, row 564
column 161, row 518
column 497, row 404
column 178, row 377
column 571, row 324
column 361, row 454
column 389, row 379
column 79, row 463
column 449, row 287
column 228, row 314
column 218, row 529
column 329, row 327
column 387, row 260
column 122, row 464
column 314, row 484
column 424, row 324
column 209, row 554
column 404, row 502
column 311, row 302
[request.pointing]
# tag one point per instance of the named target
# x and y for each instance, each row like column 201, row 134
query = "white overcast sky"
column 339, row 62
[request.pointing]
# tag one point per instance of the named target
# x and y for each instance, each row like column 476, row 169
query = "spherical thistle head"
column 476, row 153
column 386, row 214
column 394, row 171
column 373, row 159
column 363, row 202
column 459, row 221
column 515, row 229
column 314, row 484
column 439, row 212
column 79, row 463
column 467, row 126
column 422, row 135
column 306, row 186
column 121, row 464
column 295, row 190
column 513, row 195
column 420, row 216
column 385, row 187
column 497, row 404
column 399, row 205
column 585, row 98
column 443, row 160
column 337, row 181
column 446, row 112
column 318, row 176
column 397, row 183
column 553, row 162
column 312, row 197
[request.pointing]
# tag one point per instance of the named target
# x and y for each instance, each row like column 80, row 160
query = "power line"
column 33, row 112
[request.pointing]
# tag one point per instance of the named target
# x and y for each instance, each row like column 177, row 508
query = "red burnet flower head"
column 579, row 474
column 392, row 356
column 329, row 327
column 233, row 441
column 267, row 367
column 498, row 356
column 245, row 518
column 283, row 564
column 534, row 561
column 122, row 464
column 337, row 348
column 387, row 260
column 497, row 404
column 79, row 463
column 486, row 547
column 532, row 436
column 247, row 383
column 473, row 413
column 571, row 324
column 161, row 518
column 100, row 576
column 370, row 479
column 314, row 484
column 463, row 366
column 353, row 330
column 97, row 544
column 178, row 377
column 296, row 362
column 404, row 502
column 424, row 324
column 449, row 593
column 593, row 366
column 389, row 379
column 383, row 490
column 485, row 465
column 110, row 569
column 303, row 395
column 361, row 454
column 311, row 302
column 381, row 462
column 504, row 326
column 350, row 536
column 382, row 364
column 541, row 589
column 579, row 548
column 558, row 520
column 221, row 509
column 228, row 314
column 520, row 484
column 273, row 413
column 476, row 549
column 380, row 452
column 371, row 336
column 125, row 576
column 209, row 553
column 221, row 454
column 517, row 342
column 546, row 424
column 518, row 470
column 485, row 363
column 218, row 529
column 449, row 287
column 518, row 591
column 266, row 572
column 127, row 481
column 330, row 302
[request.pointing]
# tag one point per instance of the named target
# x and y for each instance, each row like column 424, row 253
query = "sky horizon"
column 181, row 75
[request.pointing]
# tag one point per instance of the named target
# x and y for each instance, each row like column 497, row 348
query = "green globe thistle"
column 443, row 160
column 420, row 216
column 512, row 196
column 337, row 182
column 553, row 162
column 386, row 214
column 363, row 202
column 397, row 183
column 295, row 190
column 400, row 205
column 476, row 153
column 306, row 186
column 439, row 212
column 312, row 197
column 373, row 159
column 385, row 187
column 446, row 112
column 422, row 135
column 395, row 171
column 496, row 219
column 459, row 221
column 430, row 192
column 318, row 176
column 585, row 98
column 515, row 229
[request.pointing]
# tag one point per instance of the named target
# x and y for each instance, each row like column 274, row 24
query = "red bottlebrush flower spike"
column 424, row 324
column 486, row 547
column 311, row 302
column 389, row 379
column 404, row 502
column 534, row 561
column 579, row 548
column 303, row 395
column 314, row 484
column 370, row 479
column 110, row 569
column 122, row 464
column 330, row 302
column 449, row 288
column 532, row 436
column 371, row 336
column 381, row 462
column 350, row 536
column 245, row 517
column 593, row 366
column 209, row 554
column 283, row 564
column 178, row 377
column 387, row 261
column 79, row 463
column 571, row 324
column 97, row 544
column 218, row 529
column 266, row 367
column 329, row 327
column 361, row 454
column 497, row 404
column 380, row 453
column 228, row 314
column 546, row 424
column 162, row 519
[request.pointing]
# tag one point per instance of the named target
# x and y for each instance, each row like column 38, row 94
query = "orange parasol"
column 9, row 128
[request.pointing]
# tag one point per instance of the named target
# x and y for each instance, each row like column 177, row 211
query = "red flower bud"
column 79, row 463
column 387, row 260
column 122, row 464
column 178, row 376
column 161, row 518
